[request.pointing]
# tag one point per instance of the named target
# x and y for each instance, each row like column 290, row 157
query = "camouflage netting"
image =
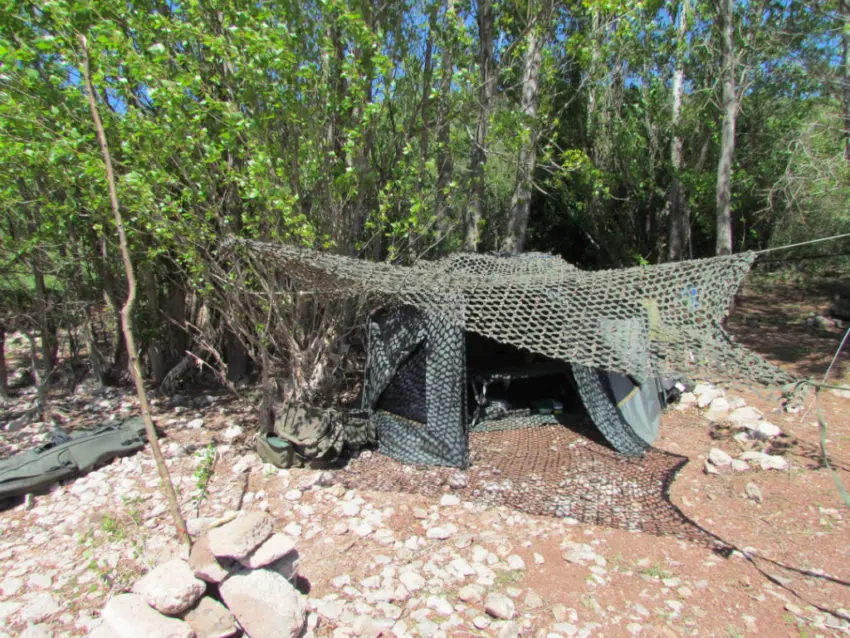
column 563, row 472
column 651, row 321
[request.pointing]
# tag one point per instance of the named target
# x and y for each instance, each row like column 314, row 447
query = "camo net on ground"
column 549, row 471
column 651, row 321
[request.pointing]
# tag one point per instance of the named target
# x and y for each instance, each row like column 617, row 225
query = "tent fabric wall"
column 415, row 389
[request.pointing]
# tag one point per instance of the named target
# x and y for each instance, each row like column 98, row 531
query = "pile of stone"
column 239, row 578
column 751, row 425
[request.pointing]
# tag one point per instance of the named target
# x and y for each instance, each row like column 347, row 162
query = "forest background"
column 615, row 133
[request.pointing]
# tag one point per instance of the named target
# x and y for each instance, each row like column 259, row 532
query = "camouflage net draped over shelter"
column 648, row 321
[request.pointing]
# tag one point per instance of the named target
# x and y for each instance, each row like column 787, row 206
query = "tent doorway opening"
column 428, row 384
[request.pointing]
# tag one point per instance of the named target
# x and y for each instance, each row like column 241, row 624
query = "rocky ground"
column 441, row 562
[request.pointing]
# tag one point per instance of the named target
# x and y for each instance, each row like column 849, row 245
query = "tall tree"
column 844, row 12
column 538, row 26
column 445, row 165
column 486, row 91
column 729, row 105
column 680, row 223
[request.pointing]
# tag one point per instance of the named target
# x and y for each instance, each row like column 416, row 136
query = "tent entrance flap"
column 627, row 413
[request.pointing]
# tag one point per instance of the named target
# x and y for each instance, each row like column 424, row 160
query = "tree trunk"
column 445, row 165
column 4, row 381
column 486, row 63
column 844, row 9
column 680, row 223
column 47, row 327
column 725, row 15
column 521, row 198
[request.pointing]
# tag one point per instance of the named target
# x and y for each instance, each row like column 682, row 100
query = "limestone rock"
column 718, row 410
column 238, row 538
column 129, row 616
column 500, row 606
column 706, row 393
column 769, row 462
column 740, row 466
column 277, row 546
column 719, row 458
column 204, row 564
column 40, row 607
column 210, row 619
column 746, row 417
column 687, row 400
column 265, row 604
column 286, row 566
column 170, row 588
column 767, row 430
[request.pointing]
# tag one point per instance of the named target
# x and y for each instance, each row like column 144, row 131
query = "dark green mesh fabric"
column 648, row 322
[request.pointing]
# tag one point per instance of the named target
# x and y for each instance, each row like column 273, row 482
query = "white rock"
column 129, row 616
column 579, row 553
column 481, row 622
column 500, row 606
column 11, row 586
column 515, row 562
column 170, row 588
column 265, row 604
column 210, row 619
column 40, row 607
column 448, row 500
column 350, row 508
column 439, row 533
column 461, row 567
column 746, row 417
column 195, row 424
column 718, row 410
column 287, row 566
column 292, row 495
column 687, row 400
column 440, row 605
column 411, row 580
column 767, row 430
column 740, row 466
column 769, row 462
column 706, row 393
column 231, row 433
column 719, row 458
column 36, row 631
column 275, row 547
column 470, row 594
column 736, row 402
column 238, row 538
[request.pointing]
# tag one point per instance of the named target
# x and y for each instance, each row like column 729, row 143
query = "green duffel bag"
column 305, row 435
column 69, row 455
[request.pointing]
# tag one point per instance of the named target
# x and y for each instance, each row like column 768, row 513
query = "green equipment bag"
column 305, row 435
column 69, row 455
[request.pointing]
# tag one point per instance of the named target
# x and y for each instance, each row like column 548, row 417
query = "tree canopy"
column 613, row 133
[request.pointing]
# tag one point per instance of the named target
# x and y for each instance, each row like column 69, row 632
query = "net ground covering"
column 549, row 470
column 651, row 321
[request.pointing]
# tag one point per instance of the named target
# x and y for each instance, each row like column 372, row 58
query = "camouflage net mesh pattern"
column 549, row 471
column 651, row 321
